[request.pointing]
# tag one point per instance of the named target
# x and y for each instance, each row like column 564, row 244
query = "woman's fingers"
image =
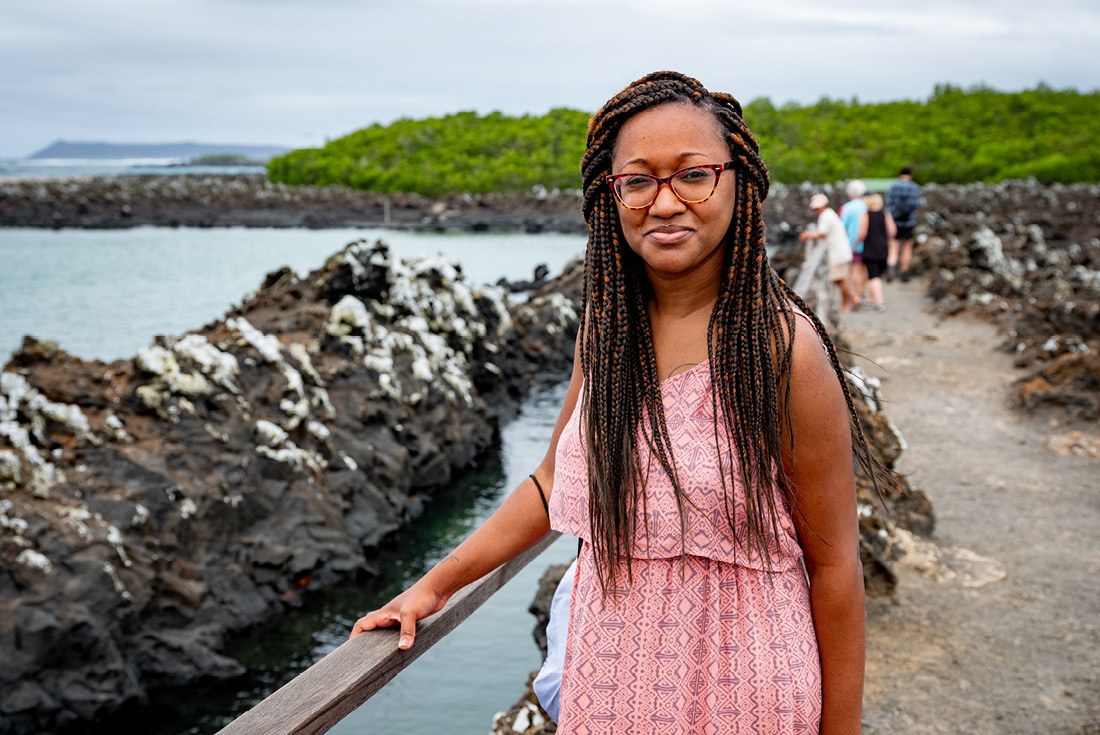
column 372, row 620
column 404, row 610
column 408, row 630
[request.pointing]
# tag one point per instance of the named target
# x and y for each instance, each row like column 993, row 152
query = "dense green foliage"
column 957, row 136
column 456, row 153
column 977, row 134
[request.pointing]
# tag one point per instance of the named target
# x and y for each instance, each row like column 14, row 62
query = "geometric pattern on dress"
column 693, row 645
column 689, row 417
column 711, row 642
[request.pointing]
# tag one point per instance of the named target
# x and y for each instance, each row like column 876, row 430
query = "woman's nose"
column 666, row 203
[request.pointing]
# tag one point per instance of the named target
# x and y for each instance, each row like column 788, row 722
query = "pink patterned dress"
column 718, row 642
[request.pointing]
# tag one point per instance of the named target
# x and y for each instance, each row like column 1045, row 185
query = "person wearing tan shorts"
column 839, row 254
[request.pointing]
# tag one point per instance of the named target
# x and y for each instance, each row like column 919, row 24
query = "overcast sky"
column 297, row 72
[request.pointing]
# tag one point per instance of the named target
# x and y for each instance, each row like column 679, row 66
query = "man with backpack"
column 902, row 200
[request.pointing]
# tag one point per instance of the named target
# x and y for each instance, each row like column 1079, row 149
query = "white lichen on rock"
column 115, row 539
column 141, row 515
column 266, row 344
column 298, row 401
column 561, row 308
column 16, row 527
column 115, row 428
column 220, row 367
column 428, row 307
column 76, row 518
column 120, row 588
column 271, row 434
column 24, row 416
column 11, row 467
column 871, row 390
column 34, row 560
column 188, row 508
column 348, row 314
column 300, row 353
column 170, row 377
column 278, row 447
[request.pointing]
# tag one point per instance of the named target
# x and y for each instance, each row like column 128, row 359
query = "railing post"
column 813, row 284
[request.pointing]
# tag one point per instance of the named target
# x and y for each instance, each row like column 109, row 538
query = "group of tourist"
column 869, row 239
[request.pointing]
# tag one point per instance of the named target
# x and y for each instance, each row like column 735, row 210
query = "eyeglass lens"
column 691, row 185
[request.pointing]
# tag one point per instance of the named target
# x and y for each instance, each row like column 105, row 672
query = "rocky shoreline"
column 1027, row 257
column 153, row 507
column 250, row 200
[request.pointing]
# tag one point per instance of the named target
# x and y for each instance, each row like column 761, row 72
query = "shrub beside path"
column 996, row 623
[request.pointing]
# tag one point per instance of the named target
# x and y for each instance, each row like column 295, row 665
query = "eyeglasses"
column 691, row 185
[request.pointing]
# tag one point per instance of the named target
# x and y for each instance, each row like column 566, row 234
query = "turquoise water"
column 104, row 294
column 56, row 168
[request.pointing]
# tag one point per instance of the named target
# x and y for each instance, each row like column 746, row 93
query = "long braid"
column 750, row 343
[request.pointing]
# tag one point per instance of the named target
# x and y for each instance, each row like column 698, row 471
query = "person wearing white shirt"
column 839, row 253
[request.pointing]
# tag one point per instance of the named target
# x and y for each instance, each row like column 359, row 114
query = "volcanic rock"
column 1027, row 257
column 153, row 507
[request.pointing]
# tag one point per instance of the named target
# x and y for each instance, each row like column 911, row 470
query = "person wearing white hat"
column 839, row 252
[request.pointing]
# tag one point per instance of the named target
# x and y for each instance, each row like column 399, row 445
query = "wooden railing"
column 331, row 689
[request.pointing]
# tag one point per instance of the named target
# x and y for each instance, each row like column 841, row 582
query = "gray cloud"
column 293, row 74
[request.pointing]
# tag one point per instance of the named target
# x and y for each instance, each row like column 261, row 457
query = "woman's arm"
column 517, row 525
column 819, row 465
column 864, row 221
column 891, row 226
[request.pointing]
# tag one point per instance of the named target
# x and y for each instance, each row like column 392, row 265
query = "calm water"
column 55, row 168
column 105, row 294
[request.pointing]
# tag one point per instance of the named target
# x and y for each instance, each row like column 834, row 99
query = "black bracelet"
column 541, row 494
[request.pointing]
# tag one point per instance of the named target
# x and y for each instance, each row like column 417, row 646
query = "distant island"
column 186, row 151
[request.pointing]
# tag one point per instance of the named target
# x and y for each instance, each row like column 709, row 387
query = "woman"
column 877, row 230
column 850, row 213
column 719, row 586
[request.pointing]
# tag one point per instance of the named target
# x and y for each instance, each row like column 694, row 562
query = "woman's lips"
column 669, row 235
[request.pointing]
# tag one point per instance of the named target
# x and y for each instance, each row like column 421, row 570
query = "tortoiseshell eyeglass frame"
column 717, row 168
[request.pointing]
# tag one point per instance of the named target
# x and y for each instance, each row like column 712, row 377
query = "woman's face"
column 672, row 238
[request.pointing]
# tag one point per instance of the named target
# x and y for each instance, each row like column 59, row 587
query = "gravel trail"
column 996, row 625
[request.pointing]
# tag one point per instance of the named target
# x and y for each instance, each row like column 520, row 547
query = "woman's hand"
column 415, row 603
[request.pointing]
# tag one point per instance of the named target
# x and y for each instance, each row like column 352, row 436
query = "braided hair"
column 749, row 344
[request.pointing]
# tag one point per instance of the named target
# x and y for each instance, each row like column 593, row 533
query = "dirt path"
column 1005, row 639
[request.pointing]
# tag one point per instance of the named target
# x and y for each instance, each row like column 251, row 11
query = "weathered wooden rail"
column 331, row 689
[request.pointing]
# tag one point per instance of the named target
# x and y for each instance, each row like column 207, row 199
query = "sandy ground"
column 996, row 625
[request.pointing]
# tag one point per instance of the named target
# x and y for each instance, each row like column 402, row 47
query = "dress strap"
column 798, row 312
column 542, row 495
